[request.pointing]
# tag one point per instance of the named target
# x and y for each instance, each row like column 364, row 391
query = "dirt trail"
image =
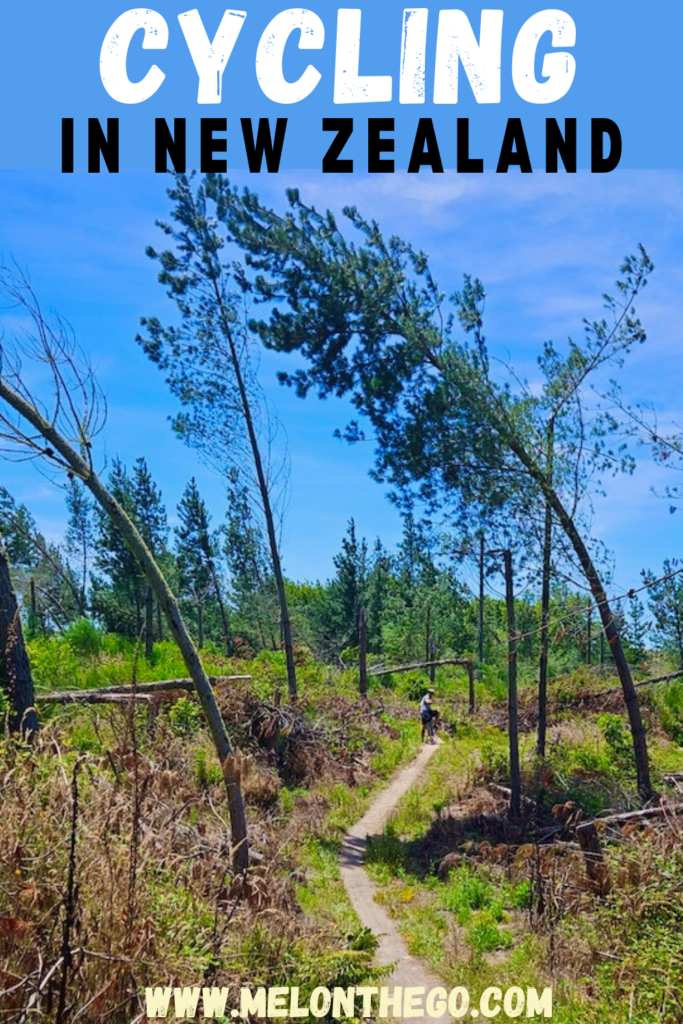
column 409, row 972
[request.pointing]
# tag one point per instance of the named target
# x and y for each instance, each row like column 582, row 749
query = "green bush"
column 670, row 700
column 84, row 638
column 484, row 935
column 618, row 741
column 466, row 892
column 207, row 771
column 185, row 717
column 54, row 664
column 520, row 895
column 495, row 764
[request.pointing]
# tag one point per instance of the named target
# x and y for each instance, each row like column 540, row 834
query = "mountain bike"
column 430, row 729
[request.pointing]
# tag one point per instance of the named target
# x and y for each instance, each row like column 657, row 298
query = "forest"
column 191, row 735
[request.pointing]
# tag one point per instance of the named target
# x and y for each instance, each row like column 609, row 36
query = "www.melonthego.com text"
column 406, row 1003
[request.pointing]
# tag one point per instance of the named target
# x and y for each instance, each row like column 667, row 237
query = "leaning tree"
column 371, row 322
column 59, row 431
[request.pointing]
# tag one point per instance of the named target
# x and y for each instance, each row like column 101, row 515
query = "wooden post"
column 362, row 653
column 513, row 731
column 470, row 676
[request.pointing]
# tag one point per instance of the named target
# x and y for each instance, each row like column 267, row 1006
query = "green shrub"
column 494, row 763
column 84, row 738
column 670, row 701
column 618, row 741
column 484, row 935
column 520, row 895
column 54, row 664
column 84, row 638
column 207, row 771
column 185, row 717
column 466, row 892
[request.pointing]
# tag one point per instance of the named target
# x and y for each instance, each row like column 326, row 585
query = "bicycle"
column 430, row 725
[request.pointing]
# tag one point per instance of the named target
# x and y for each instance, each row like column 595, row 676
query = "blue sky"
column 546, row 248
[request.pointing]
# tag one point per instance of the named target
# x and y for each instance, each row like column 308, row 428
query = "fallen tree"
column 466, row 662
column 162, row 686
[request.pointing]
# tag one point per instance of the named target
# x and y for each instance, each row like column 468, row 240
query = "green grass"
column 473, row 927
column 323, row 896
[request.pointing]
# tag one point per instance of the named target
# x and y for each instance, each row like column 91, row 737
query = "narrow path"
column 409, row 971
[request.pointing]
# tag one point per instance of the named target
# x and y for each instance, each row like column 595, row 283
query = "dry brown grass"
column 154, row 901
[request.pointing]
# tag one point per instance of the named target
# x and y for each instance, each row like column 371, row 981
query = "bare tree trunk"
column 84, row 578
column 149, row 623
column 362, row 653
column 169, row 606
column 545, row 602
column 513, row 727
column 642, row 761
column 15, row 670
column 589, row 636
column 428, row 633
column 138, row 617
column 285, row 622
column 480, row 628
column 545, row 620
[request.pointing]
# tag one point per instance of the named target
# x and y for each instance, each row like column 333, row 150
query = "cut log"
column 465, row 662
column 643, row 682
column 649, row 812
column 95, row 697
column 162, row 686
column 507, row 793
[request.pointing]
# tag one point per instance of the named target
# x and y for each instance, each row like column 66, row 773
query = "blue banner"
column 373, row 88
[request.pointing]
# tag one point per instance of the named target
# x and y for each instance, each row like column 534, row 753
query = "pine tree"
column 197, row 552
column 246, row 556
column 666, row 603
column 46, row 587
column 79, row 535
column 118, row 596
column 379, row 580
column 152, row 522
column 348, row 588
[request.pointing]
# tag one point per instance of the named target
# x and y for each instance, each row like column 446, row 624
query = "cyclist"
column 428, row 712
